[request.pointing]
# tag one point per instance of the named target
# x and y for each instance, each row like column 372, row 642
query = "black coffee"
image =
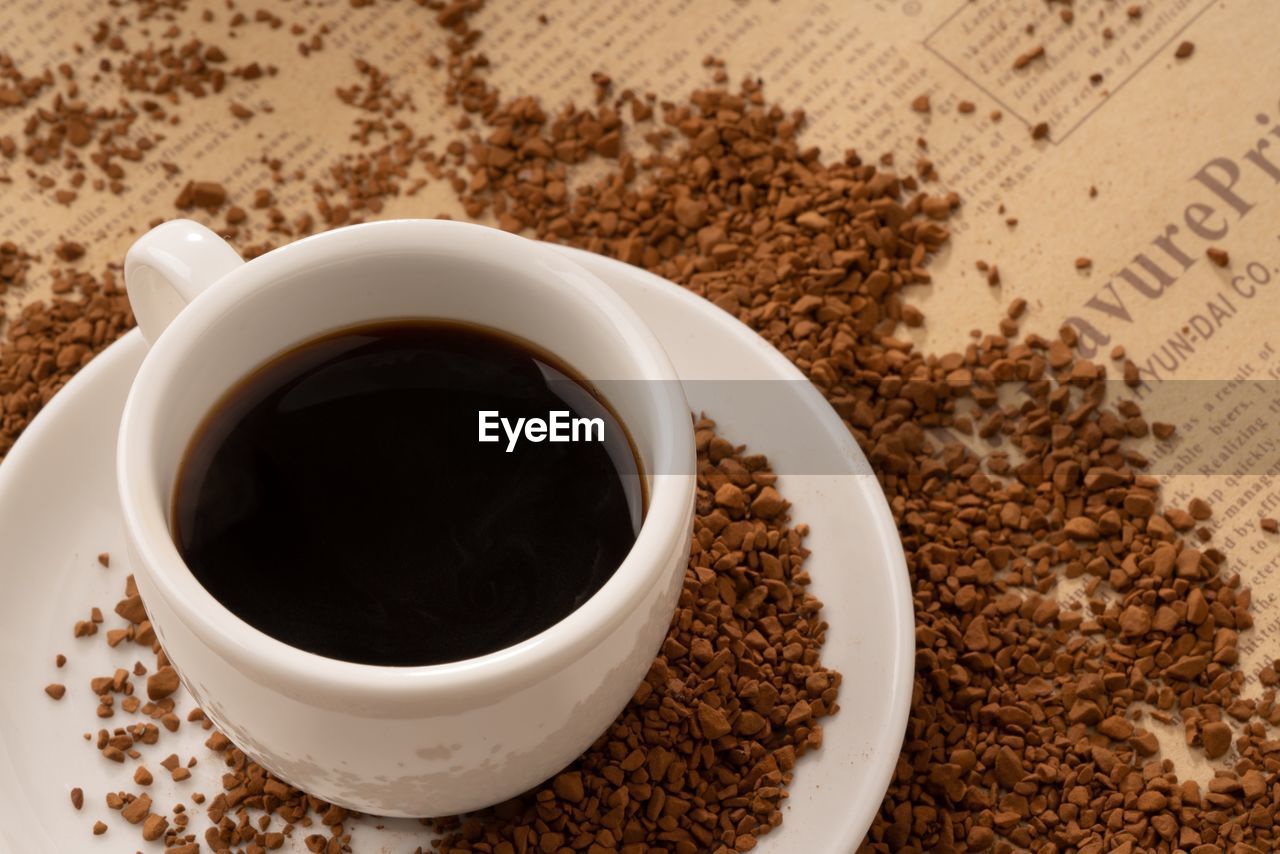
column 341, row 500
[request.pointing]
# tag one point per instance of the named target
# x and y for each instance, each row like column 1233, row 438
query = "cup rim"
column 144, row 505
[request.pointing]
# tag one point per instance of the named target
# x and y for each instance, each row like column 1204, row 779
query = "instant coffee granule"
column 1032, row 722
column 1029, row 727
column 700, row 760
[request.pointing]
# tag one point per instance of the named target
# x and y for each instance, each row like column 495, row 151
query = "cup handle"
column 168, row 267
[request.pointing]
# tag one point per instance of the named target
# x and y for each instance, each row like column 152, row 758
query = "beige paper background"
column 1139, row 138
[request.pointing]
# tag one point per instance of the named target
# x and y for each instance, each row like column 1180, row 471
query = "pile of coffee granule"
column 1063, row 611
column 47, row 342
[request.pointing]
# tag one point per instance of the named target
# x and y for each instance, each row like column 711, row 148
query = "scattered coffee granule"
column 1028, row 728
column 136, row 809
column 1161, row 430
column 105, row 560
column 1083, row 263
column 739, row 670
column 1040, row 130
column 1268, row 524
column 1025, row 59
column 1218, row 256
column 56, row 690
column 920, row 104
column 77, row 797
column 965, row 107
column 162, row 683
column 209, row 195
column 154, row 827
column 70, row 250
column 1185, row 50
column 99, row 828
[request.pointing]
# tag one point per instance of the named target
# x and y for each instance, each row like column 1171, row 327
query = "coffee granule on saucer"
column 700, row 760
column 1035, row 712
column 1034, row 715
column 702, row 757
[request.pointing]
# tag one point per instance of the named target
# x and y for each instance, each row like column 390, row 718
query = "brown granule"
column 965, row 107
column 1218, row 256
column 920, row 104
column 137, row 809
column 56, row 690
column 1017, row 736
column 77, row 797
column 209, row 195
column 744, row 670
column 1185, row 49
column 1025, row 59
column 69, row 250
column 1083, row 263
column 1031, row 720
column 740, row 680
column 99, row 828
column 1270, row 525
column 162, row 683
column 154, row 827
column 1040, row 130
column 14, row 264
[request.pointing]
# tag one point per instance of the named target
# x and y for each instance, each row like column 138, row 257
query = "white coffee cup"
column 399, row 741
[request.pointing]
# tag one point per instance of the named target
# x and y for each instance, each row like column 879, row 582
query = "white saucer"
column 58, row 512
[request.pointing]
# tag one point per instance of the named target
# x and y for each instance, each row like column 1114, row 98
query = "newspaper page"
column 1148, row 161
